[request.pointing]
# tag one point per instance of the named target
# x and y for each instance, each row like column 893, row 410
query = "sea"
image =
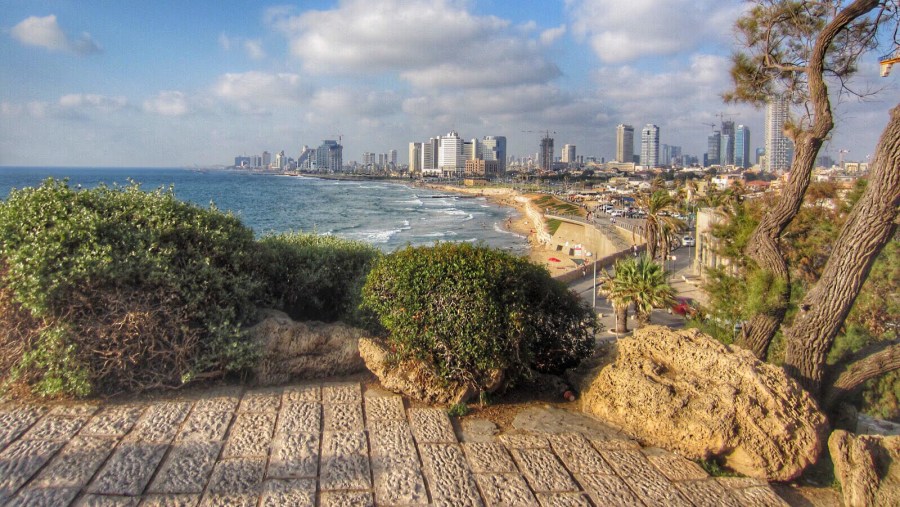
column 385, row 214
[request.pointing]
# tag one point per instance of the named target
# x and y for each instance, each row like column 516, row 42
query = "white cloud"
column 258, row 92
column 621, row 32
column 92, row 102
column 428, row 42
column 224, row 42
column 168, row 103
column 254, row 49
column 551, row 35
column 45, row 32
column 338, row 102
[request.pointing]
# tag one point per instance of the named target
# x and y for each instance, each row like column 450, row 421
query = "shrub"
column 116, row 288
column 313, row 277
column 467, row 310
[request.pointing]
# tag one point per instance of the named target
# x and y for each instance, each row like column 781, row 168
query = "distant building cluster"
column 449, row 156
column 327, row 158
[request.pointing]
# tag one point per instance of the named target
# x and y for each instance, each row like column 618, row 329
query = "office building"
column 650, row 146
column 713, row 149
column 568, row 154
column 329, row 157
column 546, row 155
column 778, row 147
column 266, row 159
column 450, row 155
column 415, row 158
column 742, row 147
column 726, row 153
column 494, row 148
column 624, row 143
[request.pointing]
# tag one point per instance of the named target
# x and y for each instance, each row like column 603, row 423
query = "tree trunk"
column 763, row 246
column 874, row 361
column 621, row 319
column 869, row 227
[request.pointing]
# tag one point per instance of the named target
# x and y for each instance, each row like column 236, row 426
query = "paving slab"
column 489, row 457
column 449, row 479
column 75, row 409
column 229, row 500
column 187, row 468
column 288, row 493
column 159, row 423
column 344, row 462
column 266, row 400
column 675, row 467
column 205, row 426
column 239, row 476
column 563, row 500
column 112, row 421
column 107, row 501
column 15, row 420
column 544, row 471
column 44, row 497
column 250, row 435
column 128, row 470
column 396, row 471
column 21, row 460
column 505, row 490
column 648, row 484
column 342, row 417
column 218, row 403
column 294, row 455
column 303, row 393
column 170, row 501
column 525, row 441
column 300, row 417
column 707, row 493
column 347, row 499
column 607, row 490
column 431, row 426
column 379, row 408
column 578, row 455
column 74, row 466
column 751, row 492
column 342, row 393
column 55, row 427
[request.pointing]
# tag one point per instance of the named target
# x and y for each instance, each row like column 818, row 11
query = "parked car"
column 688, row 241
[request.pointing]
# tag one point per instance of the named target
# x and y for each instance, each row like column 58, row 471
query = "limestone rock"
column 868, row 467
column 415, row 378
column 303, row 350
column 685, row 392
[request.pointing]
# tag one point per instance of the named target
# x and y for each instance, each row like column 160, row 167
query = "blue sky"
column 171, row 83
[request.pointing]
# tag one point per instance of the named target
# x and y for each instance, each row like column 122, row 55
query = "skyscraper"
column 726, row 154
column 415, row 159
column 742, row 147
column 714, row 149
column 650, row 146
column 494, row 148
column 778, row 147
column 568, row 153
column 546, row 153
column 450, row 155
column 624, row 143
column 329, row 157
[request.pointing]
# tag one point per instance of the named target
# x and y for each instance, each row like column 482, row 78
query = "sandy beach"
column 556, row 262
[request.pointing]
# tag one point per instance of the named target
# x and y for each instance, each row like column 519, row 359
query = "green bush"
column 466, row 310
column 313, row 277
column 120, row 289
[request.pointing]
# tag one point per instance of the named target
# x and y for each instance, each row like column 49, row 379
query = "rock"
column 416, row 379
column 685, row 392
column 303, row 350
column 868, row 467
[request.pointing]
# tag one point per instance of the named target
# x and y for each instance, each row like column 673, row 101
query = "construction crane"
column 711, row 125
column 340, row 138
column 888, row 61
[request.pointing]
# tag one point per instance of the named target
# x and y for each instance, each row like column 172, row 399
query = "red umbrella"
column 554, row 259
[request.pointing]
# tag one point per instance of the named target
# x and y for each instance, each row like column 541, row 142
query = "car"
column 688, row 241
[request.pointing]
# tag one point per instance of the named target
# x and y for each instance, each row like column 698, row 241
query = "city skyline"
column 193, row 84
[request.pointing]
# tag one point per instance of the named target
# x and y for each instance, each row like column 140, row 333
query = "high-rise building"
column 568, row 154
column 450, row 155
column 726, row 154
column 778, row 147
column 280, row 161
column 624, row 143
column 742, row 146
column 714, row 149
column 329, row 157
column 471, row 150
column 266, row 159
column 415, row 158
column 393, row 157
column 650, row 145
column 494, row 148
column 546, row 156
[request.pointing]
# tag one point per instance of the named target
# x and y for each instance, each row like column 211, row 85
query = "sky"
column 170, row 83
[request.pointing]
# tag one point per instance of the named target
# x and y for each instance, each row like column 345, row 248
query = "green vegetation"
column 470, row 311
column 553, row 225
column 115, row 288
column 458, row 410
column 313, row 277
column 555, row 206
column 641, row 282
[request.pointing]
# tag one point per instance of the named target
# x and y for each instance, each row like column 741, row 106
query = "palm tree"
column 637, row 281
column 659, row 206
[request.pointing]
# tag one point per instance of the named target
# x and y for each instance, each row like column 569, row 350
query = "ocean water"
column 387, row 215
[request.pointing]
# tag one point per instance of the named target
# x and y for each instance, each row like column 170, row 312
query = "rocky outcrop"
column 416, row 379
column 303, row 350
column 684, row 391
column 868, row 467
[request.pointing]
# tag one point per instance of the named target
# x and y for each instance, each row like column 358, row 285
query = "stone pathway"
column 327, row 445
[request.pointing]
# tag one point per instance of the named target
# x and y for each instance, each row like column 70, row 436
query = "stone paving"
column 327, row 445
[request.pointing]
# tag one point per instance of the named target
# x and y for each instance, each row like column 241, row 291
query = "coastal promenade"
column 334, row 444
